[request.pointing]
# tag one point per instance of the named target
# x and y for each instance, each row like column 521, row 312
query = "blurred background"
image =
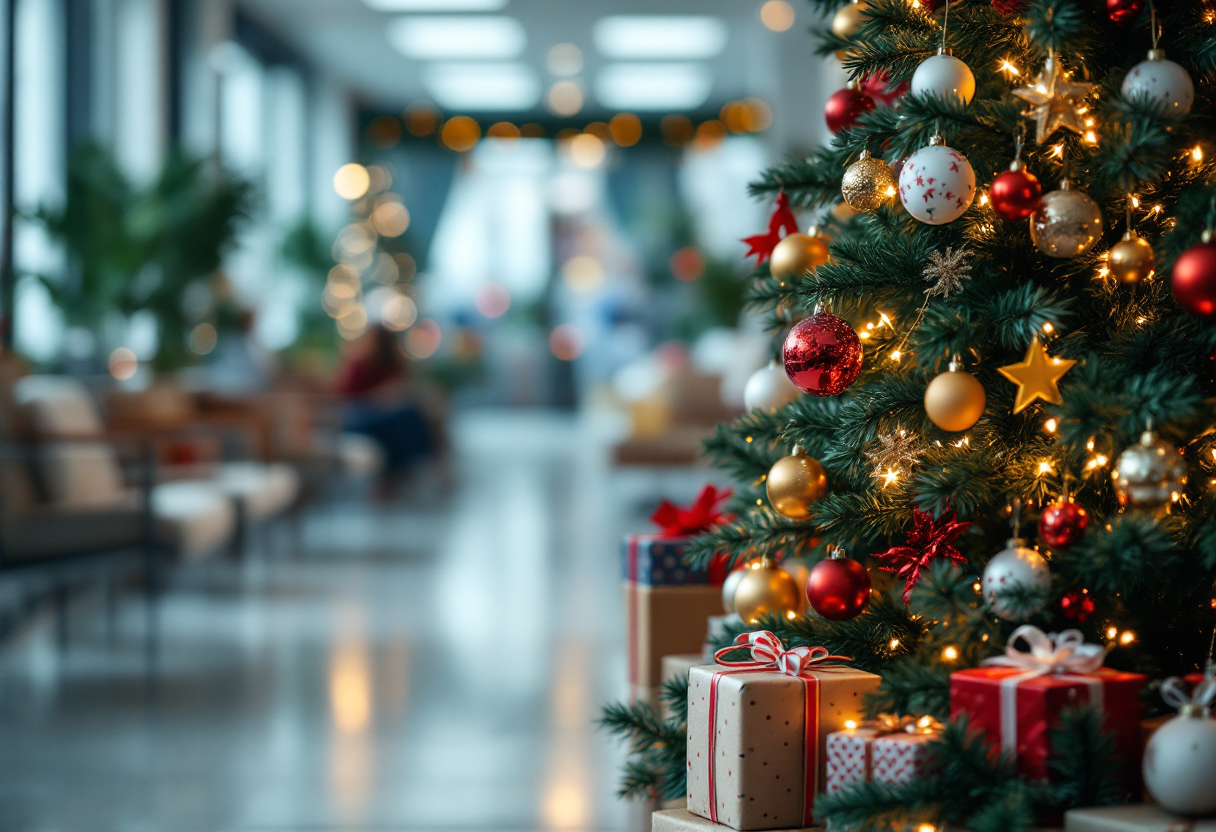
column 341, row 342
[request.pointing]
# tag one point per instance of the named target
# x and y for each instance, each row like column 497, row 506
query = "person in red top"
column 375, row 383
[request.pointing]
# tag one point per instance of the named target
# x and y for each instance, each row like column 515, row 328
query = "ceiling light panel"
column 436, row 5
column 644, row 86
column 633, row 37
column 441, row 37
column 487, row 87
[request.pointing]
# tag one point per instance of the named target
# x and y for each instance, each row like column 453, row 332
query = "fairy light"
column 1009, row 68
column 1197, row 153
column 850, row 724
column 1057, row 151
column 893, row 644
column 883, row 317
column 1048, row 328
column 1135, row 201
column 1157, row 209
column 983, row 199
column 896, row 355
column 1140, row 320
column 1089, row 446
column 1044, row 468
column 1111, row 632
column 976, row 586
column 1051, row 425
column 748, row 439
column 965, row 442
column 926, row 827
column 891, row 477
column 949, row 654
column 1127, row 637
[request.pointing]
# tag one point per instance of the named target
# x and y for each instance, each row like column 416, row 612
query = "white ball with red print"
column 937, row 184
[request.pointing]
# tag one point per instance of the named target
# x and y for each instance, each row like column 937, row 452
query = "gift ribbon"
column 892, row 724
column 1065, row 655
column 1174, row 692
column 768, row 655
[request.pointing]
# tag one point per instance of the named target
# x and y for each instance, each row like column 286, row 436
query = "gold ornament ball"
column 955, row 400
column 793, row 483
column 1150, row 475
column 1131, row 260
column 1066, row 223
column 797, row 254
column 869, row 184
column 764, row 590
column 849, row 19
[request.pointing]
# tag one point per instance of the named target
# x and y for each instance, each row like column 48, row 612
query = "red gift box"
column 1018, row 706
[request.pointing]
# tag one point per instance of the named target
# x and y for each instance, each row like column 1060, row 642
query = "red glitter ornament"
column 822, row 355
column 838, row 588
column 1194, row 278
column 1015, row 194
column 1062, row 524
column 926, row 541
column 844, row 107
column 1123, row 11
column 1077, row 605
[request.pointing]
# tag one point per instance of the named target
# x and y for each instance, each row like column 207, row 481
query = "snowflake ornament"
column 947, row 270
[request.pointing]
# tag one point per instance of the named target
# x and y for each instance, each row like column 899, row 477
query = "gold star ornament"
column 1038, row 377
column 1055, row 101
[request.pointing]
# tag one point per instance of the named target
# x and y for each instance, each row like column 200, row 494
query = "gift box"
column 1017, row 699
column 668, row 603
column 682, row 820
column 758, row 729
column 1134, row 818
column 887, row 754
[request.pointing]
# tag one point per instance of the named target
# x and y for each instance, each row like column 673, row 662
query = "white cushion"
column 74, row 473
column 264, row 490
column 194, row 518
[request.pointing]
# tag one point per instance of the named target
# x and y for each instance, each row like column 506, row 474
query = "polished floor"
column 434, row 663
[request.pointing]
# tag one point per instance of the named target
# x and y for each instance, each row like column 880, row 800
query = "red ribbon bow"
column 762, row 245
column 700, row 517
column 768, row 652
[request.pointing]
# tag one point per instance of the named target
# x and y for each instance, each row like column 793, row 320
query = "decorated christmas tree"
column 992, row 388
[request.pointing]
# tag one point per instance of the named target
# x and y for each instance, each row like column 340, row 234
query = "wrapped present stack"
column 758, row 731
column 668, row 604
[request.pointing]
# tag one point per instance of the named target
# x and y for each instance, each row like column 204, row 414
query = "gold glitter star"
column 1055, row 101
column 1037, row 377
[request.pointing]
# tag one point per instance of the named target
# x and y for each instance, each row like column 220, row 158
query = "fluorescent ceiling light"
column 657, row 36
column 495, row 87
column 653, row 86
column 439, row 37
column 436, row 5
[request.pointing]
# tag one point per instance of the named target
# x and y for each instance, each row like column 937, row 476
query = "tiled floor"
column 431, row 664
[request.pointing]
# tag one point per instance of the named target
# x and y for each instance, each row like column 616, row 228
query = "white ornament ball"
column 769, row 388
column 936, row 184
column 1180, row 765
column 1015, row 566
column 944, row 76
column 1162, row 82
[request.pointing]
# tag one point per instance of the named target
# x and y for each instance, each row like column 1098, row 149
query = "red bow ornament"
column 700, row 517
column 762, row 245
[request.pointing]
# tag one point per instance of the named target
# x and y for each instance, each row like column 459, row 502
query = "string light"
column 850, row 724
column 1126, row 637
column 983, row 199
column 896, row 355
column 1111, row 632
column 893, row 644
column 1048, row 328
column 748, row 440
column 1044, row 468
column 926, row 827
column 976, row 586
column 1057, row 152
column 949, row 654
column 1007, row 66
column 1197, row 153
column 891, row 477
column 1051, row 425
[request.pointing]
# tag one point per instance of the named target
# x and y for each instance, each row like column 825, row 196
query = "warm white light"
column 565, row 98
column 587, row 151
column 850, row 724
column 440, row 37
column 123, row 364
column 653, row 86
column 659, row 36
column 583, row 273
column 488, row 87
column 564, row 60
column 777, row 15
column 352, row 181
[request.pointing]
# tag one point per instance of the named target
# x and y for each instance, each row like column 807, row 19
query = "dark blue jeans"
column 399, row 430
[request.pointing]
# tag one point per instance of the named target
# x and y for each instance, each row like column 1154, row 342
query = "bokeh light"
column 532, row 131
column 687, row 264
column 399, row 313
column 123, row 364
column 587, row 151
column 352, row 181
column 422, row 118
column 460, row 133
column 626, row 129
column 423, row 340
column 566, row 342
column 384, row 131
column 600, row 130
column 583, row 273
column 407, row 266
column 777, row 15
column 677, row 130
column 564, row 60
column 380, row 180
column 390, row 218
column 710, row 134
column 353, row 322
column 565, row 98
column 203, row 339
column 503, row 130
column 492, row 300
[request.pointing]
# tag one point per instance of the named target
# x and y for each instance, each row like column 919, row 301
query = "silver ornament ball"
column 1066, row 223
column 1149, row 475
column 1163, row 82
column 944, row 76
column 1180, row 765
column 728, row 589
column 1014, row 567
column 769, row 388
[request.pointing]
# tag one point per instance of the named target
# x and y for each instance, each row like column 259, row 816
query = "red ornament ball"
column 1062, row 524
column 1008, row 7
column 1123, row 11
column 844, row 107
column 838, row 588
column 1077, row 605
column 822, row 355
column 1194, row 279
column 1015, row 194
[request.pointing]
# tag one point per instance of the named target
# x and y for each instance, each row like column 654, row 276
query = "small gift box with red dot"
column 894, row 751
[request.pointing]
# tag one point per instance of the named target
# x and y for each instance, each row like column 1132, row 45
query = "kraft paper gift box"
column 1018, row 706
column 883, row 755
column 1133, row 818
column 682, row 820
column 757, row 734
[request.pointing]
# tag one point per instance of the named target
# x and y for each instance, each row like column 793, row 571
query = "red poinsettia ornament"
column 762, row 245
column 928, row 539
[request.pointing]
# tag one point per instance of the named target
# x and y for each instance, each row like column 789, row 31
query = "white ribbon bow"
column 1050, row 654
column 1173, row 691
column 767, row 651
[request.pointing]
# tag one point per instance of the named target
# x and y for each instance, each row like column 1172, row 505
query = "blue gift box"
column 654, row 560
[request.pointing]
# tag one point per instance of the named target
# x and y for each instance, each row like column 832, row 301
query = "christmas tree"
column 1005, row 374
